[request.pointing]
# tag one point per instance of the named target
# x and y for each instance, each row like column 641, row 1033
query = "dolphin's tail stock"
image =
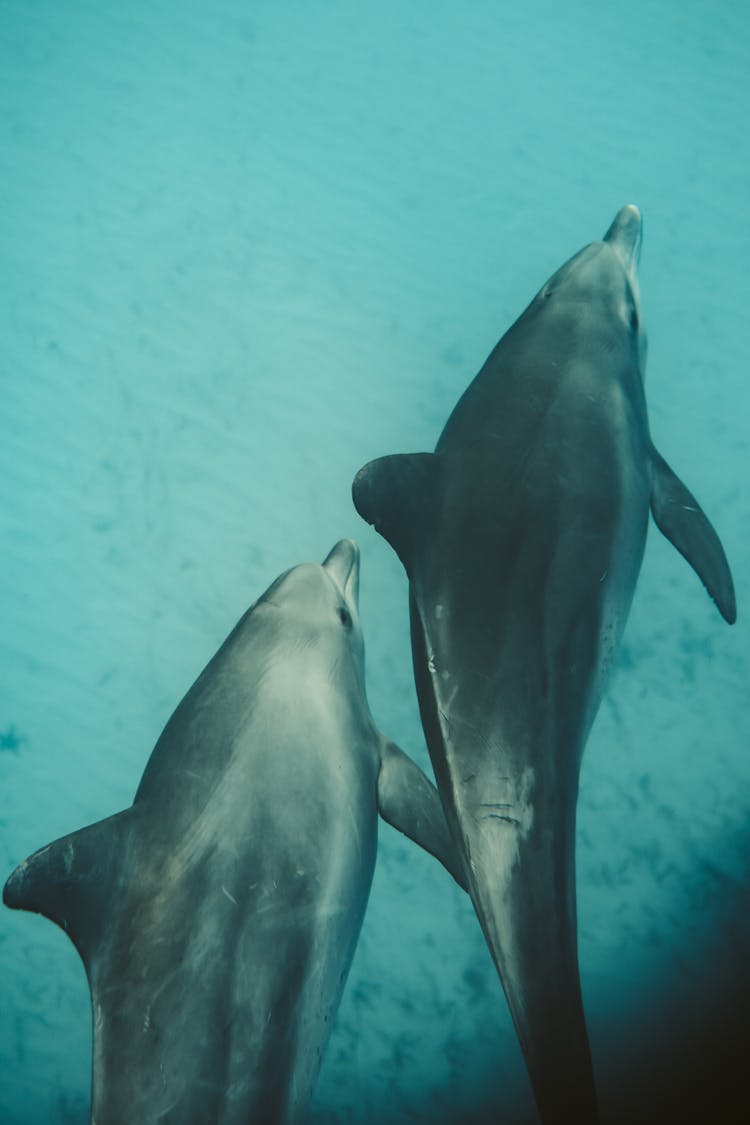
column 525, row 902
column 514, row 823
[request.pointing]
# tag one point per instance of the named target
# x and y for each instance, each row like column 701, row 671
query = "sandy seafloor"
column 248, row 246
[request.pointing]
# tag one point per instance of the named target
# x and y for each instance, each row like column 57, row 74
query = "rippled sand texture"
column 247, row 247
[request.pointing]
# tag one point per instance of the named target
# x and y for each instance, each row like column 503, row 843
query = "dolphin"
column 522, row 536
column 217, row 916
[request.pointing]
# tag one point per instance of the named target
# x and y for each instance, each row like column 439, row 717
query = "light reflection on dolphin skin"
column 522, row 536
column 217, row 916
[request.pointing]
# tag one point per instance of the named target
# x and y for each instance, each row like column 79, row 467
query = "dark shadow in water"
column 686, row 1058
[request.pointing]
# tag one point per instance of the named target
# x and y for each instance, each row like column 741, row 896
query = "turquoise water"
column 247, row 247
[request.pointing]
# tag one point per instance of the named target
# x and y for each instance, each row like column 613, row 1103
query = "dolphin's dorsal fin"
column 397, row 495
column 408, row 801
column 679, row 516
column 71, row 879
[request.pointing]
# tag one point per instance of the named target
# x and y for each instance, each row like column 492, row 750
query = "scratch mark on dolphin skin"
column 230, row 897
column 496, row 815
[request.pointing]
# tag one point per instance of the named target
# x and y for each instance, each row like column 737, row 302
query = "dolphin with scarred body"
column 522, row 536
column 217, row 916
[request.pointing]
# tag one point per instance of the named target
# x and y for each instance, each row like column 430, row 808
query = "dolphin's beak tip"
column 625, row 235
column 343, row 562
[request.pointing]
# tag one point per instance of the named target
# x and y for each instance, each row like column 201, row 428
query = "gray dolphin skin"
column 217, row 916
column 522, row 536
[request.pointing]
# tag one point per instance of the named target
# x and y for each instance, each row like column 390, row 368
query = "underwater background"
column 247, row 247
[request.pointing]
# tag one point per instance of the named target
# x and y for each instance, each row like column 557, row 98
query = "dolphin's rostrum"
column 218, row 915
column 522, row 536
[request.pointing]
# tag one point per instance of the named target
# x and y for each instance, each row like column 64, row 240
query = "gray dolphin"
column 218, row 915
column 522, row 537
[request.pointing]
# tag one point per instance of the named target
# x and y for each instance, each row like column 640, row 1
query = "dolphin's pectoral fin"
column 679, row 516
column 66, row 880
column 410, row 803
column 396, row 495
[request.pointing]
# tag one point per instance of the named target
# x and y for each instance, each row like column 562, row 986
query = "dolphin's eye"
column 345, row 617
column 633, row 319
